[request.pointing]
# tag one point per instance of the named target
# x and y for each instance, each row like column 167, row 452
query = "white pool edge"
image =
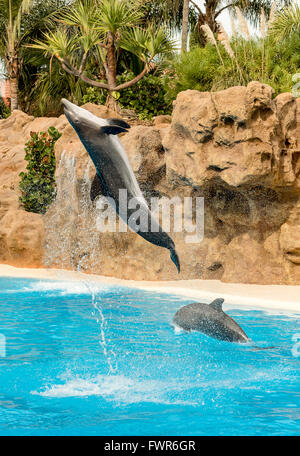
column 279, row 298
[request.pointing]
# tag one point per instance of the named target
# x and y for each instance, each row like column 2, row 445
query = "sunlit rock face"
column 238, row 148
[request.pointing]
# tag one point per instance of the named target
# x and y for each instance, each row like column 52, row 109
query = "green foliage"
column 4, row 110
column 168, row 12
column 41, row 82
column 270, row 62
column 94, row 31
column 146, row 98
column 287, row 22
column 37, row 185
column 21, row 21
column 44, row 96
column 94, row 95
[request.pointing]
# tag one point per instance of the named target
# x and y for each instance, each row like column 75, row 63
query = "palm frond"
column 168, row 13
column 58, row 43
column 24, row 7
column 252, row 8
column 82, row 15
column 286, row 22
column 147, row 43
column 115, row 15
column 50, row 87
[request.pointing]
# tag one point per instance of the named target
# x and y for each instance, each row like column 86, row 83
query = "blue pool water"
column 91, row 359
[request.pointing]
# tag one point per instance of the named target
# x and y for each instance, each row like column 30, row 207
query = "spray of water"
column 60, row 218
column 71, row 238
column 109, row 354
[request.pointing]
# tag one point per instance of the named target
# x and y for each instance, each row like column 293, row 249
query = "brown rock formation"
column 238, row 148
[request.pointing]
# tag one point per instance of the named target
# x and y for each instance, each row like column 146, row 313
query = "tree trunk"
column 13, row 73
column 209, row 19
column 111, row 64
column 111, row 73
column 13, row 93
column 185, row 25
column 112, row 104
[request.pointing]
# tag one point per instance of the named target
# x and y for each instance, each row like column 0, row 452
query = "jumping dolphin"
column 99, row 137
column 210, row 320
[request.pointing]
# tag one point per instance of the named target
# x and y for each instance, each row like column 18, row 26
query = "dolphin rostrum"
column 210, row 320
column 114, row 173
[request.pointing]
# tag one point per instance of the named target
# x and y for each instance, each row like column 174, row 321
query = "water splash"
column 60, row 218
column 71, row 238
column 119, row 389
column 109, row 354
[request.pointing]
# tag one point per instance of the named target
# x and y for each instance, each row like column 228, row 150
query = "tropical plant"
column 37, row 185
column 203, row 69
column 167, row 12
column 46, row 85
column 208, row 12
column 10, row 40
column 99, row 30
column 15, row 30
column 4, row 110
column 286, row 22
column 147, row 98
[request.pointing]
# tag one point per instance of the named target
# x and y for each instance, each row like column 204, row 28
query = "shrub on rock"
column 37, row 185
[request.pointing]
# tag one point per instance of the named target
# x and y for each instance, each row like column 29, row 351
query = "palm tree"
column 185, row 25
column 171, row 12
column 286, row 22
column 100, row 29
column 10, row 41
column 14, row 34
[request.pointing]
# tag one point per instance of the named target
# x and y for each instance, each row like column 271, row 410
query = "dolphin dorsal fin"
column 217, row 304
column 118, row 123
column 114, row 127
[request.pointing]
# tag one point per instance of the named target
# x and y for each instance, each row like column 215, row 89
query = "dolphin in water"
column 210, row 320
column 114, row 173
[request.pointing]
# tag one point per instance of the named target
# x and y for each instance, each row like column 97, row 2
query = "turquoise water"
column 91, row 359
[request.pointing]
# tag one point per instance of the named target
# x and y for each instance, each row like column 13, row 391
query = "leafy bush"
column 42, row 91
column 94, row 95
column 4, row 110
column 270, row 62
column 37, row 185
column 146, row 98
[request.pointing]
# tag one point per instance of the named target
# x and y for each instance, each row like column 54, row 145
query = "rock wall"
column 238, row 148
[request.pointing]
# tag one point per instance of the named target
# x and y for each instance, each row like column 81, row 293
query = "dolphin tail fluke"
column 175, row 259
